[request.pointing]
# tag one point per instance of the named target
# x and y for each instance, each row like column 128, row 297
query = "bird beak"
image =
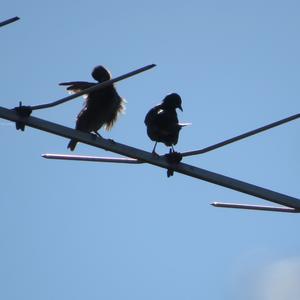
column 180, row 107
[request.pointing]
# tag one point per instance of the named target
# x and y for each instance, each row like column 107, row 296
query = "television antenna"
column 21, row 115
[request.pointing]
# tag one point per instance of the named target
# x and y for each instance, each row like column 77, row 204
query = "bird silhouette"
column 162, row 122
column 101, row 107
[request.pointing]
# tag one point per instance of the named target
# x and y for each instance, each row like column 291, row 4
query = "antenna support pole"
column 148, row 157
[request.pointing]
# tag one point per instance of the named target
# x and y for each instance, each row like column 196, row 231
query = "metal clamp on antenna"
column 23, row 112
column 172, row 158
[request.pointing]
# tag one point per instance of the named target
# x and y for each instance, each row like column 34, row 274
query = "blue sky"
column 73, row 230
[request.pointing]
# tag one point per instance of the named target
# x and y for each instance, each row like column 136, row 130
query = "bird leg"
column 153, row 151
column 97, row 134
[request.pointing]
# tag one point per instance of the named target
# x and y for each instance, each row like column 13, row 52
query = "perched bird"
column 101, row 107
column 162, row 122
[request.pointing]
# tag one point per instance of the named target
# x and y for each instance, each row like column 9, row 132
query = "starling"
column 162, row 122
column 101, row 107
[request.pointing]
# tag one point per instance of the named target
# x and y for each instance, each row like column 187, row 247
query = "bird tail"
column 72, row 144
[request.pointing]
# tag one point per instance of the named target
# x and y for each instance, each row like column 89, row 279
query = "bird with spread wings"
column 101, row 107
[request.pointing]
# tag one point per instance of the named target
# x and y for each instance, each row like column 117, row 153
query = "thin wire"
column 240, row 137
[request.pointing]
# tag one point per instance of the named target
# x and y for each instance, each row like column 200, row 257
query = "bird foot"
column 155, row 154
column 95, row 135
column 111, row 141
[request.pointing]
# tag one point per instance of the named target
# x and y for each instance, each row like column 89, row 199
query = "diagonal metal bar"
column 148, row 157
column 122, row 160
column 8, row 21
column 241, row 136
column 255, row 207
column 93, row 88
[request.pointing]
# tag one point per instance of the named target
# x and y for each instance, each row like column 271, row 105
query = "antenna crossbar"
column 241, row 136
column 8, row 21
column 123, row 160
column 256, row 207
column 93, row 88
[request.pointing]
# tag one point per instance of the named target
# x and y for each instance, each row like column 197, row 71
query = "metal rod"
column 148, row 157
column 92, row 158
column 255, row 207
column 8, row 21
column 93, row 88
column 240, row 137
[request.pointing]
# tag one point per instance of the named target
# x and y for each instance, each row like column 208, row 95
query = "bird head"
column 101, row 74
column 172, row 101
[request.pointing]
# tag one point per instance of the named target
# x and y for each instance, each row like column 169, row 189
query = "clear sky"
column 75, row 230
